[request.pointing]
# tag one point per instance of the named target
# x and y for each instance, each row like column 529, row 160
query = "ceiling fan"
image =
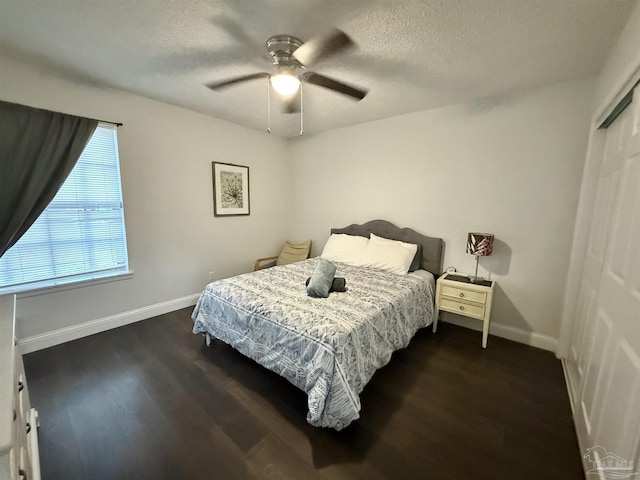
column 291, row 58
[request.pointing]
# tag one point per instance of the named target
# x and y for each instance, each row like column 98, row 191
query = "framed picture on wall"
column 230, row 189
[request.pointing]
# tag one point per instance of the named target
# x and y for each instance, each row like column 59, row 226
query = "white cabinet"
column 19, row 457
column 457, row 294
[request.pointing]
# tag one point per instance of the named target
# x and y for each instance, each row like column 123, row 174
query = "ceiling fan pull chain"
column 301, row 113
column 268, row 106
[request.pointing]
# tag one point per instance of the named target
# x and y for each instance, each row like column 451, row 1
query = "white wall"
column 511, row 166
column 173, row 238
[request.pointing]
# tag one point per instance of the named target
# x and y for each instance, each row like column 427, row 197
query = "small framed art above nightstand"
column 456, row 293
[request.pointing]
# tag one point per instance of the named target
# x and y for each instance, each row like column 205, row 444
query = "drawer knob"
column 28, row 428
column 461, row 294
column 461, row 307
column 22, row 474
column 20, row 386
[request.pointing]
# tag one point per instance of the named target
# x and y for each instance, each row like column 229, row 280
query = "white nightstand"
column 456, row 294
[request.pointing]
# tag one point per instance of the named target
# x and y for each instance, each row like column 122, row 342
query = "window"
column 80, row 235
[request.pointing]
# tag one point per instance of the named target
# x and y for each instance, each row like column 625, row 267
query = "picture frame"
column 230, row 189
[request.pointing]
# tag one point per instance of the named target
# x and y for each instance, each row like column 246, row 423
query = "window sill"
column 32, row 290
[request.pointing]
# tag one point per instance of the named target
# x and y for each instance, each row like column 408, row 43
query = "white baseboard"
column 532, row 339
column 56, row 337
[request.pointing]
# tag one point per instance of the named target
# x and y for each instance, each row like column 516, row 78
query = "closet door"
column 604, row 357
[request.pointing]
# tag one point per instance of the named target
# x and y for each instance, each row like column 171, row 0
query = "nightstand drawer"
column 462, row 308
column 461, row 293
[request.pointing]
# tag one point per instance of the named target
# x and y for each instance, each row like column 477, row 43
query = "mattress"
column 328, row 347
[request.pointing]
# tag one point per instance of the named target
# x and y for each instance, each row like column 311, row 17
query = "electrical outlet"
column 212, row 275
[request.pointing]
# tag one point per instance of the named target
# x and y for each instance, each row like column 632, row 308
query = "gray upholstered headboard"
column 431, row 247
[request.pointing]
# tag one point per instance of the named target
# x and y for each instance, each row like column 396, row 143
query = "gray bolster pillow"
column 321, row 279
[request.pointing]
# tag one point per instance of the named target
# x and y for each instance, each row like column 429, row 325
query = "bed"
column 328, row 347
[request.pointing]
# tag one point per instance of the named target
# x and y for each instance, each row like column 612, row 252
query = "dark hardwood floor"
column 151, row 401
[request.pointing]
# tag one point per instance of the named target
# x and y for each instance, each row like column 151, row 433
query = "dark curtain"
column 38, row 150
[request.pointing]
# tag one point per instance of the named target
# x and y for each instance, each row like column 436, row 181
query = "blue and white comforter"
column 328, row 347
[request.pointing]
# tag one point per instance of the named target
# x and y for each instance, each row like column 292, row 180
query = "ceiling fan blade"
column 322, row 46
column 291, row 104
column 336, row 86
column 233, row 81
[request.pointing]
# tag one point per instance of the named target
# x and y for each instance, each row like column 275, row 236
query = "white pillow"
column 390, row 255
column 345, row 248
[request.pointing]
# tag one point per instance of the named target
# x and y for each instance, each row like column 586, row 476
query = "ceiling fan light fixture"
column 285, row 83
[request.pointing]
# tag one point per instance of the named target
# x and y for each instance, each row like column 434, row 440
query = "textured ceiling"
column 412, row 55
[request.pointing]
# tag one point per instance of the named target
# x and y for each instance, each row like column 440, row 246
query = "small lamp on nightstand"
column 480, row 245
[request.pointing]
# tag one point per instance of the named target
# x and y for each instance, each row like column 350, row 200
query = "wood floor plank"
column 241, row 425
column 55, row 437
column 150, row 400
column 198, row 435
column 103, row 453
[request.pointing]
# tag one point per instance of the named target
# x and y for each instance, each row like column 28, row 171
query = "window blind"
column 81, row 234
